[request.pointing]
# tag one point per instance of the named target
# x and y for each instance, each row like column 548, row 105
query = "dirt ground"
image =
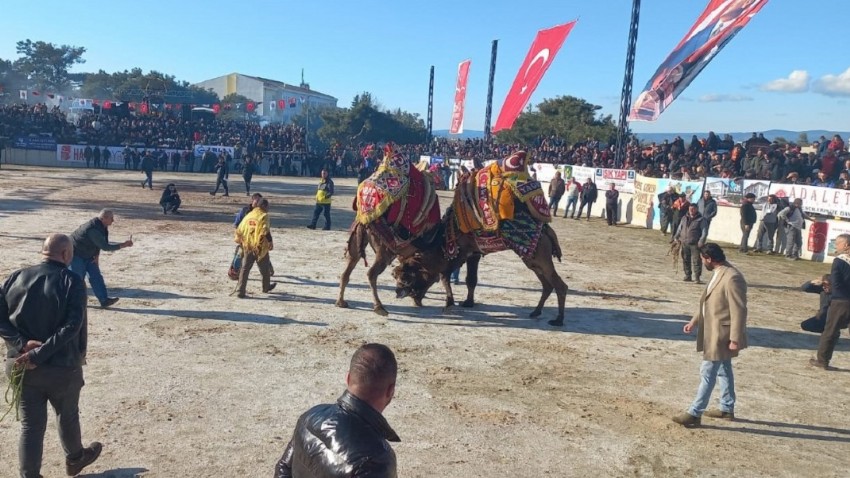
column 184, row 380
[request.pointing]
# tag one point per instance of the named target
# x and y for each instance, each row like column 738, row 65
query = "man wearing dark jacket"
column 170, row 199
column 43, row 321
column 348, row 438
column 222, row 172
column 612, row 201
column 556, row 191
column 838, row 315
column 707, row 208
column 665, row 208
column 748, row 218
column 88, row 240
column 823, row 289
column 692, row 234
column 588, row 197
column 148, row 165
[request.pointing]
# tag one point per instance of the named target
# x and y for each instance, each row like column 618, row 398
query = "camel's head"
column 413, row 278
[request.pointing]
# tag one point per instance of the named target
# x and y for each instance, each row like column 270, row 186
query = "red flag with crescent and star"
column 543, row 50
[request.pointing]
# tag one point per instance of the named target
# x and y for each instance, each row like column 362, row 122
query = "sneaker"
column 818, row 364
column 720, row 414
column 687, row 420
column 90, row 454
column 109, row 301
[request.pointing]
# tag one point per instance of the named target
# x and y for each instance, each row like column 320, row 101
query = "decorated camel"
column 398, row 214
column 495, row 209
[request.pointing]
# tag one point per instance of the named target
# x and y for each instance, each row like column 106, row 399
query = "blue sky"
column 387, row 47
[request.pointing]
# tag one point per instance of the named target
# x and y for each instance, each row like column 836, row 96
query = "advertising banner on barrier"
column 759, row 187
column 727, row 192
column 581, row 174
column 200, row 149
column 624, row 179
column 544, row 172
column 76, row 152
column 835, row 229
column 645, row 208
column 816, row 200
column 35, row 142
column 644, row 197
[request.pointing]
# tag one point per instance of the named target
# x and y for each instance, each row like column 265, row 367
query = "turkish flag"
column 143, row 108
column 216, row 108
column 281, row 104
column 107, row 104
column 543, row 50
column 250, row 107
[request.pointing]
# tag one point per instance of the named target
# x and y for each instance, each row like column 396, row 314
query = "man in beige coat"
column 722, row 332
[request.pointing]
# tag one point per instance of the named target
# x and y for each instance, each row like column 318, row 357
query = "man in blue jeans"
column 722, row 322
column 88, row 240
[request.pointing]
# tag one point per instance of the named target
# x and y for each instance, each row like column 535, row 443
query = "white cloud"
column 797, row 82
column 717, row 98
column 833, row 85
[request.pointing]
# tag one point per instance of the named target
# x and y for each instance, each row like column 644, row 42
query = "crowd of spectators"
column 825, row 163
column 25, row 120
column 173, row 131
column 158, row 130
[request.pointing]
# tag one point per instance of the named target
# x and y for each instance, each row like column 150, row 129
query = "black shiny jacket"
column 345, row 439
column 47, row 303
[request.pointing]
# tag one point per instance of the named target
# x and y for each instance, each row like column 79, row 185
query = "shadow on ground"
column 224, row 315
column 117, row 473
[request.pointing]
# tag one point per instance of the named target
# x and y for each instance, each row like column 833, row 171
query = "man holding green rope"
column 43, row 321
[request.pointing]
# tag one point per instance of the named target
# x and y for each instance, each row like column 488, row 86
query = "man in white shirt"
column 795, row 220
column 767, row 225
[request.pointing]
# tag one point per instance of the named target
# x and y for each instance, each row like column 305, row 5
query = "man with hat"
column 748, row 219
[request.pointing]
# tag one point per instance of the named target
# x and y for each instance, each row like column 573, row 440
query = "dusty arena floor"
column 184, row 380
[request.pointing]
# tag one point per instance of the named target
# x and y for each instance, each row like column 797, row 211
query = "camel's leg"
column 546, row 267
column 471, row 279
column 544, row 281
column 356, row 249
column 445, row 279
column 383, row 258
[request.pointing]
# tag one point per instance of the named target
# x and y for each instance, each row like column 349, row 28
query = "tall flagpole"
column 489, row 112
column 430, row 124
column 628, row 79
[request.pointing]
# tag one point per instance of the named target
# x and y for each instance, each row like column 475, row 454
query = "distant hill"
column 770, row 134
column 467, row 134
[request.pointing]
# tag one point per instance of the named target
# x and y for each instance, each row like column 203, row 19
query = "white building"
column 269, row 95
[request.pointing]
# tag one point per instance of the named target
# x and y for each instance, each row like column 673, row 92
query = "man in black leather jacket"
column 348, row 438
column 43, row 321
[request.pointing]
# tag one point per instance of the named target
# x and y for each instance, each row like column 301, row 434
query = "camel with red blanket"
column 398, row 213
column 494, row 209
